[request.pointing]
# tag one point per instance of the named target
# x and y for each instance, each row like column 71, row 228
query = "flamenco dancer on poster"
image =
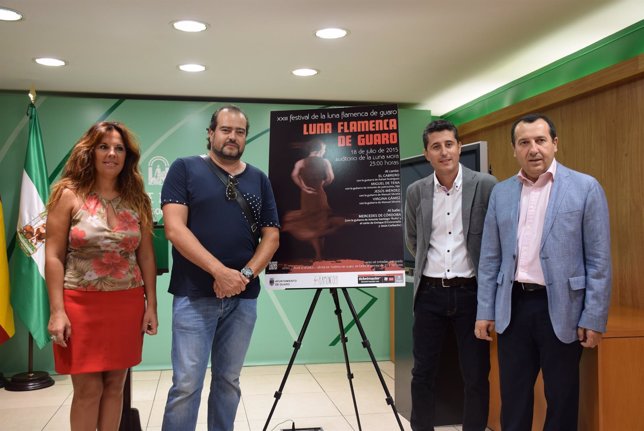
column 314, row 220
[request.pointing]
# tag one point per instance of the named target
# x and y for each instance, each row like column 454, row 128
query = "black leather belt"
column 447, row 282
column 528, row 287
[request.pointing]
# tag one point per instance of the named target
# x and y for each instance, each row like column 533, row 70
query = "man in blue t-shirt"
column 216, row 259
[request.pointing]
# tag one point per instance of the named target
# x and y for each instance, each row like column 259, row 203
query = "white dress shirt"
column 447, row 256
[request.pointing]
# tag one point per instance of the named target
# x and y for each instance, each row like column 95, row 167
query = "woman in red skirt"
column 100, row 272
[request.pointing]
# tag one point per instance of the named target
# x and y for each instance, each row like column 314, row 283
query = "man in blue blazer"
column 444, row 215
column 544, row 277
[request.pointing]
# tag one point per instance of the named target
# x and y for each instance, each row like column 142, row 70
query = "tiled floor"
column 314, row 395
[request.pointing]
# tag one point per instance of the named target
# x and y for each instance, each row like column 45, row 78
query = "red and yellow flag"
column 7, row 328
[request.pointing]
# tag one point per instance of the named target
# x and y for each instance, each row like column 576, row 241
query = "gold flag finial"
column 32, row 94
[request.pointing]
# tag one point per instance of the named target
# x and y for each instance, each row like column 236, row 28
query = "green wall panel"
column 412, row 122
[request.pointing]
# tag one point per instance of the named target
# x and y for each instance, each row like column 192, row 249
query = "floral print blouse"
column 100, row 257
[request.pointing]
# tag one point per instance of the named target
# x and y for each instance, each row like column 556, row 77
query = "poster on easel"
column 336, row 178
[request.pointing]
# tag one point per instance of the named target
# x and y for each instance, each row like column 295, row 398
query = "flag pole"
column 31, row 380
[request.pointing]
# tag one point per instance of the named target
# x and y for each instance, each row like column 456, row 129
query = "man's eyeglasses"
column 231, row 191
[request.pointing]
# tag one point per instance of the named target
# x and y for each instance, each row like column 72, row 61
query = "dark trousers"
column 528, row 344
column 435, row 310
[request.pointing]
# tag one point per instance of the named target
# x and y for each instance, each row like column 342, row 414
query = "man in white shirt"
column 444, row 216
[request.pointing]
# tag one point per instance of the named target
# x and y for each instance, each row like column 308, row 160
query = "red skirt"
column 106, row 331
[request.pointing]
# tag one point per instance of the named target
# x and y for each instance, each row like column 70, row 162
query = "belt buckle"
column 443, row 282
column 525, row 287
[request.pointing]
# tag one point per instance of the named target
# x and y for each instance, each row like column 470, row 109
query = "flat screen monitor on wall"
column 473, row 155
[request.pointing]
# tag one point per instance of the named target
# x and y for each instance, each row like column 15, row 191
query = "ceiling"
column 436, row 55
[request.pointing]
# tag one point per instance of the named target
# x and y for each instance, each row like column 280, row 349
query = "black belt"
column 528, row 287
column 447, row 282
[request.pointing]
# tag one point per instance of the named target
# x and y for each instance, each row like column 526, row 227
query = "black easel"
column 365, row 343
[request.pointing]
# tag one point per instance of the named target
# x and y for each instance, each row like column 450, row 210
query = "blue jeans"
column 201, row 327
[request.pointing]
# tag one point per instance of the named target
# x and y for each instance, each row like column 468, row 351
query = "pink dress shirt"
column 532, row 213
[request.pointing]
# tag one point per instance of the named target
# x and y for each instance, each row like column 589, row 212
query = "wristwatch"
column 247, row 272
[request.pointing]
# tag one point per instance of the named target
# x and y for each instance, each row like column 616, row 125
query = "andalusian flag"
column 29, row 292
column 6, row 312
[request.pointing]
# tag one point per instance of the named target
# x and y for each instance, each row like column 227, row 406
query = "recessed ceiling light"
column 304, row 72
column 190, row 26
column 331, row 33
column 52, row 62
column 9, row 15
column 192, row 67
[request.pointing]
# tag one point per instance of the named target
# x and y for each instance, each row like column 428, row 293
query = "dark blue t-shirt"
column 219, row 224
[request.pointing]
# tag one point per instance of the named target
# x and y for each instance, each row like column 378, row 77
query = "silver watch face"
column 247, row 272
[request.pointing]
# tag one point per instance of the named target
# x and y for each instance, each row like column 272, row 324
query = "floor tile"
column 368, row 402
column 166, row 376
column 156, row 413
column 270, row 383
column 327, row 423
column 144, row 390
column 52, row 396
column 144, row 407
column 60, row 420
column 62, row 379
column 241, row 425
column 290, row 406
column 356, row 368
column 26, row 418
column 366, row 381
column 379, row 422
column 145, row 375
column 388, row 368
column 273, row 369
